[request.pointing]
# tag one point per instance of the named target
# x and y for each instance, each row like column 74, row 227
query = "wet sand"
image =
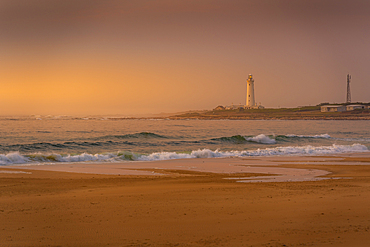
column 188, row 203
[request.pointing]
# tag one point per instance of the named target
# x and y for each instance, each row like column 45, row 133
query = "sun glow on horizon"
column 141, row 57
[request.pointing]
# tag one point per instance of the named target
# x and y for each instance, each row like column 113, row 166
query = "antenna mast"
column 348, row 89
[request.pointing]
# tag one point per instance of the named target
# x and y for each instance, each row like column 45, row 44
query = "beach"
column 189, row 202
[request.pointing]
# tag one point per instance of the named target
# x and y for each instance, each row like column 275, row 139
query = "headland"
column 299, row 113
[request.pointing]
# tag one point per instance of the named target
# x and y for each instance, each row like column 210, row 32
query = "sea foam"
column 17, row 158
column 261, row 139
column 325, row 136
column 13, row 158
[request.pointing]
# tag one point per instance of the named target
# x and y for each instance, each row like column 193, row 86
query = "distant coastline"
column 300, row 113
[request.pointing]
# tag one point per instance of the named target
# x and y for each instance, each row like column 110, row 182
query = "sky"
column 151, row 56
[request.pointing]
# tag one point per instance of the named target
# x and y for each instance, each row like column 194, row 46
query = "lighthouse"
column 250, row 102
column 250, row 92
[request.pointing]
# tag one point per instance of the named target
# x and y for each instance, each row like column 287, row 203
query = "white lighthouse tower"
column 250, row 92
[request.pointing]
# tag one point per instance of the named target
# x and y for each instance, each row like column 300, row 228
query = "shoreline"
column 221, row 165
column 268, row 118
column 298, row 113
column 190, row 205
column 243, row 118
column 15, row 159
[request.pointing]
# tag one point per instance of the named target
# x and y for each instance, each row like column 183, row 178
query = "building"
column 333, row 108
column 219, row 108
column 250, row 102
column 234, row 107
column 354, row 107
column 340, row 108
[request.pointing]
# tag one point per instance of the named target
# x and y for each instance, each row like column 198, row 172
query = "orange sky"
column 127, row 57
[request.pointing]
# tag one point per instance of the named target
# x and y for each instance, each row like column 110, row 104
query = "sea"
column 52, row 139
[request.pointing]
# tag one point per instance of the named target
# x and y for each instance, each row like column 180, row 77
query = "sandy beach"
column 321, row 201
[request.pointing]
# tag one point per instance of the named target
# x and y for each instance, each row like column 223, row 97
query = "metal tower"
column 348, row 89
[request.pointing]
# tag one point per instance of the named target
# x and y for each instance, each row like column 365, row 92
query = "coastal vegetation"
column 298, row 113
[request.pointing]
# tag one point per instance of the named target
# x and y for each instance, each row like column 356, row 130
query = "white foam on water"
column 303, row 150
column 16, row 158
column 86, row 157
column 325, row 136
column 261, row 139
column 13, row 158
column 164, row 156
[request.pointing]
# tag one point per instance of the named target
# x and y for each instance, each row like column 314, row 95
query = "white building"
column 250, row 92
column 234, row 107
column 250, row 100
column 354, row 107
column 340, row 108
column 333, row 108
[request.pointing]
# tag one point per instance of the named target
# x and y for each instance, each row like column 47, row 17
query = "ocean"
column 54, row 139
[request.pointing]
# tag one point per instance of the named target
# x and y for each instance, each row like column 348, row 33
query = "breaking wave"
column 266, row 139
column 324, row 136
column 238, row 139
column 261, row 139
column 17, row 158
column 147, row 140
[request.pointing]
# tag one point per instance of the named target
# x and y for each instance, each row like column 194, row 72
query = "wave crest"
column 17, row 158
column 239, row 139
column 261, row 139
column 324, row 136
column 266, row 139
